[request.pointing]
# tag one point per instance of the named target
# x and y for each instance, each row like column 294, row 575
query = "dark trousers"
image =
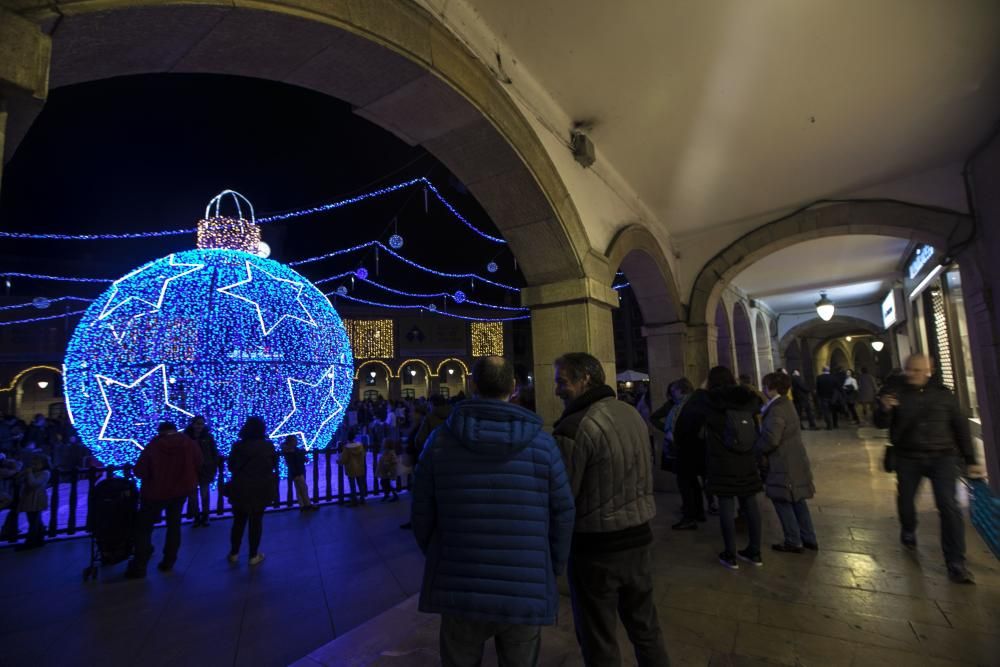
column 852, row 411
column 240, row 520
column 387, row 488
column 805, row 410
column 358, row 485
column 692, row 500
column 195, row 511
column 606, row 587
column 462, row 642
column 942, row 471
column 796, row 522
column 150, row 512
column 727, row 520
column 829, row 412
column 36, row 529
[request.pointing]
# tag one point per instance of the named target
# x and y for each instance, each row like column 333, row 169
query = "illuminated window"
column 371, row 339
column 487, row 339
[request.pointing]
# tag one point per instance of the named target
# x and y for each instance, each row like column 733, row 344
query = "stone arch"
column 21, row 399
column 863, row 356
column 638, row 254
column 762, row 334
column 724, row 336
column 419, row 362
column 393, row 61
column 882, row 218
column 456, row 360
column 840, row 356
column 846, row 322
column 743, row 342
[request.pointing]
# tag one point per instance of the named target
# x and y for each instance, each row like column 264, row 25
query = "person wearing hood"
column 725, row 414
column 605, row 444
column 493, row 514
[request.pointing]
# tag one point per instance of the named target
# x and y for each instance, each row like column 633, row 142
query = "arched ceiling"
column 716, row 112
column 852, row 270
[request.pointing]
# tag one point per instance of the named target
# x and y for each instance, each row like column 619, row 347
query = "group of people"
column 837, row 394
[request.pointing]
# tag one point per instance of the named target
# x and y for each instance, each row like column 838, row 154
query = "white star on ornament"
column 280, row 292
column 135, row 404
column 313, row 401
column 143, row 286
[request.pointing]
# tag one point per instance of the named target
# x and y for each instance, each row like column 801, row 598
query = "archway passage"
column 793, row 357
column 724, row 342
column 838, row 360
column 743, row 339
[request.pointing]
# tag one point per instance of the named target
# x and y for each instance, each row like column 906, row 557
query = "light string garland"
column 43, row 318
column 381, row 192
column 55, row 299
column 66, row 279
column 420, row 295
column 429, row 309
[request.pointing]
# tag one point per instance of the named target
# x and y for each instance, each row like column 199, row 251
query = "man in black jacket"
column 826, row 395
column 930, row 437
column 802, row 398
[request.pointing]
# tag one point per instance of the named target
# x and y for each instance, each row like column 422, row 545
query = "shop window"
column 409, row 393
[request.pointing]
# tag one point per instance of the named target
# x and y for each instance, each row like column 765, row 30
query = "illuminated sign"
column 922, row 255
column 889, row 309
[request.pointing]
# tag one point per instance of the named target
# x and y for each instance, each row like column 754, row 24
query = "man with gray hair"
column 493, row 514
column 605, row 445
column 930, row 438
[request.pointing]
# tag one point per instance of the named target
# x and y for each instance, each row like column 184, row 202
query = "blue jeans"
column 462, row 642
column 796, row 522
column 943, row 473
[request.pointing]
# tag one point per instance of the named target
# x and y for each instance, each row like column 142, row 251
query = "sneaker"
column 729, row 561
column 685, row 524
column 750, row 557
column 811, row 546
column 786, row 548
column 233, row 558
column 257, row 560
column 960, row 574
column 909, row 540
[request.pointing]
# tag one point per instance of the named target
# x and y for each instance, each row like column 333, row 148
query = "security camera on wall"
column 583, row 148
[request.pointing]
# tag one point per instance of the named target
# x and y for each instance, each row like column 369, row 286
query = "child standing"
column 388, row 470
column 33, row 500
column 295, row 459
column 352, row 457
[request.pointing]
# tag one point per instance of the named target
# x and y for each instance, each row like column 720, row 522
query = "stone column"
column 702, row 352
column 665, row 345
column 25, row 53
column 568, row 316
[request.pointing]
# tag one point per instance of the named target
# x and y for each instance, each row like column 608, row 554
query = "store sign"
column 889, row 309
column 922, row 255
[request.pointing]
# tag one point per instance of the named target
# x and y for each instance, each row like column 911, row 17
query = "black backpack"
column 739, row 431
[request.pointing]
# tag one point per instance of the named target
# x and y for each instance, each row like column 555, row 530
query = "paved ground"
column 861, row 600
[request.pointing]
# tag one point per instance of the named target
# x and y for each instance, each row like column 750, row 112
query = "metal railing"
column 70, row 488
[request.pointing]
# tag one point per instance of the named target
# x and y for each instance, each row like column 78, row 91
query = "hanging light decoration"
column 395, row 241
column 432, row 307
column 877, row 345
column 341, row 290
column 492, row 267
column 459, row 296
column 361, row 273
column 825, row 307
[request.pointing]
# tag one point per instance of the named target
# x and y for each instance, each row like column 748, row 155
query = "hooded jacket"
column 493, row 514
column 729, row 473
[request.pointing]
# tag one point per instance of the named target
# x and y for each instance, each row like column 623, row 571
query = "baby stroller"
column 111, row 515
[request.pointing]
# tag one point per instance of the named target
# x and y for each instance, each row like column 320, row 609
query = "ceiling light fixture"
column 42, row 384
column 877, row 345
column 825, row 307
column 848, row 339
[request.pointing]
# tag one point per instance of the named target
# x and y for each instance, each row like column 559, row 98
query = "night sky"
column 148, row 152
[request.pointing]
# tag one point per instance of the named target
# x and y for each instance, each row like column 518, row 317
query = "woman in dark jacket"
column 253, row 464
column 789, row 478
column 725, row 414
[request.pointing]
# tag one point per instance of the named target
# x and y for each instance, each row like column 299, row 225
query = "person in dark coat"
column 867, row 390
column 722, row 412
column 802, row 397
column 493, row 513
column 198, row 431
column 789, row 481
column 930, row 438
column 253, row 464
column 827, row 393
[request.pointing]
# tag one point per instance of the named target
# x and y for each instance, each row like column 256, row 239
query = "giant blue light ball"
column 219, row 333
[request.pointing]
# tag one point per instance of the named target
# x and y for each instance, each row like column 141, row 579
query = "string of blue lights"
column 396, row 306
column 279, row 217
column 43, row 318
column 47, row 302
column 457, row 297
